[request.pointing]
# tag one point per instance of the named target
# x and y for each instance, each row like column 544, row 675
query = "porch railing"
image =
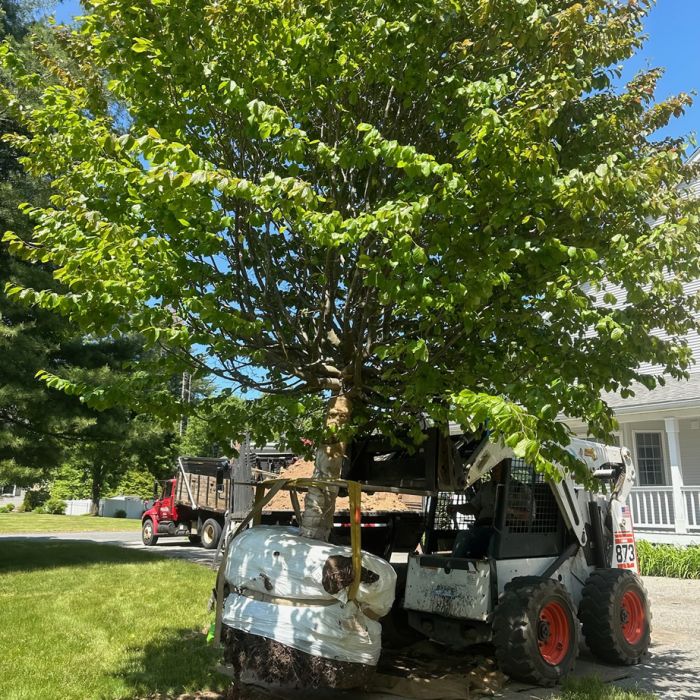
column 652, row 507
column 691, row 496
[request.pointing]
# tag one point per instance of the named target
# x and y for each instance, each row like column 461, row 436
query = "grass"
column 595, row 689
column 89, row 621
column 668, row 560
column 19, row 523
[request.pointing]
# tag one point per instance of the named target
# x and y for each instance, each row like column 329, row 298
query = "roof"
column 675, row 394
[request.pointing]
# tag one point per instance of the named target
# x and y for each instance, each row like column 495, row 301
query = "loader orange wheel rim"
column 632, row 617
column 553, row 633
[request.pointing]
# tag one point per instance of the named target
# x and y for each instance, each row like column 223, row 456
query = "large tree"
column 405, row 207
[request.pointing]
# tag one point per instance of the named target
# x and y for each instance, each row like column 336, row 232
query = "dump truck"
column 193, row 503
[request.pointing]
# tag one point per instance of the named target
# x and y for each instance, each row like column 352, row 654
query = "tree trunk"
column 317, row 519
column 96, row 474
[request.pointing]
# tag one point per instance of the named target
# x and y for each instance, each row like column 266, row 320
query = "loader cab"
column 526, row 520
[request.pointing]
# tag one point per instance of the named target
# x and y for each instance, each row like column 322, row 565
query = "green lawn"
column 34, row 522
column 83, row 621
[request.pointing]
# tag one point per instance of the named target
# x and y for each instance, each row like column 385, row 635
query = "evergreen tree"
column 36, row 422
column 41, row 427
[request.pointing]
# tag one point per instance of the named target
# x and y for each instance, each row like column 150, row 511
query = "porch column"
column 674, row 456
column 627, row 438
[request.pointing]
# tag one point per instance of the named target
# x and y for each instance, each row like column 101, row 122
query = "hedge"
column 668, row 560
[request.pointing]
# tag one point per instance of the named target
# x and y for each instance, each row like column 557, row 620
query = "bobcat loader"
column 558, row 554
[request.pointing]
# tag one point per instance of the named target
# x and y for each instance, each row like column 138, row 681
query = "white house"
column 9, row 493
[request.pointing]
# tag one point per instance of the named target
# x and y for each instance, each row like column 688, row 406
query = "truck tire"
column 210, row 534
column 615, row 615
column 195, row 539
column 535, row 631
column 148, row 533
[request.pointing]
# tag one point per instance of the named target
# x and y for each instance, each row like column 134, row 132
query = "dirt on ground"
column 258, row 660
column 381, row 500
column 421, row 671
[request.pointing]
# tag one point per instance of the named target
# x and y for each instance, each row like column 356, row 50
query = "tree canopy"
column 409, row 204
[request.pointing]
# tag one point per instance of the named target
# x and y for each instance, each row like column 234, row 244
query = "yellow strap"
column 355, row 497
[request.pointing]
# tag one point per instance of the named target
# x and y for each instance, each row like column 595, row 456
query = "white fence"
column 78, row 507
column 652, row 507
column 132, row 506
column 691, row 496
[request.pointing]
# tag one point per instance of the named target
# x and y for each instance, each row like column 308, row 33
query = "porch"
column 661, row 428
column 654, row 514
column 665, row 501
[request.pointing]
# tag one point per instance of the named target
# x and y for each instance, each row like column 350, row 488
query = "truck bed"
column 201, row 478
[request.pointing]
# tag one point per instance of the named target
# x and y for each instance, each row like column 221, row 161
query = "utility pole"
column 185, row 397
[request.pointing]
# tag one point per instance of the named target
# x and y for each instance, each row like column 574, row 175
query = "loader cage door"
column 528, row 522
column 442, row 529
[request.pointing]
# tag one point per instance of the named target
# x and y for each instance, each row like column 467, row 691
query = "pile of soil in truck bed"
column 379, row 501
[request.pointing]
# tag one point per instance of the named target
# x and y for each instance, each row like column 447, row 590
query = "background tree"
column 41, row 427
column 402, row 207
column 115, row 448
column 36, row 422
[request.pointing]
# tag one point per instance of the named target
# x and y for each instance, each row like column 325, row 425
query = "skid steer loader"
column 556, row 554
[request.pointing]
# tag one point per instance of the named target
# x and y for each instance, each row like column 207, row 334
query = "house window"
column 650, row 459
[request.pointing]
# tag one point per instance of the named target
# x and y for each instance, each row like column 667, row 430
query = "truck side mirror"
column 155, row 491
column 219, row 479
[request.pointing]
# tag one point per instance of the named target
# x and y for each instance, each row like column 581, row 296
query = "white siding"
column 692, row 338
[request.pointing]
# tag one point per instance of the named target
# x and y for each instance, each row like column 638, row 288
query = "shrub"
column 55, row 506
column 10, row 507
column 668, row 560
column 33, row 498
column 120, row 514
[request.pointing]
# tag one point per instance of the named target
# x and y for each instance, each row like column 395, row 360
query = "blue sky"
column 672, row 29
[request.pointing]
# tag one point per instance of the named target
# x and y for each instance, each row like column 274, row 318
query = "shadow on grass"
column 178, row 662
column 29, row 555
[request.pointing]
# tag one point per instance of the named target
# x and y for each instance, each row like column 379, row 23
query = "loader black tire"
column 210, row 534
column 615, row 615
column 535, row 631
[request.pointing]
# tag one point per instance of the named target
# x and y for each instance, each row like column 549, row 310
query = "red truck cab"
column 162, row 517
